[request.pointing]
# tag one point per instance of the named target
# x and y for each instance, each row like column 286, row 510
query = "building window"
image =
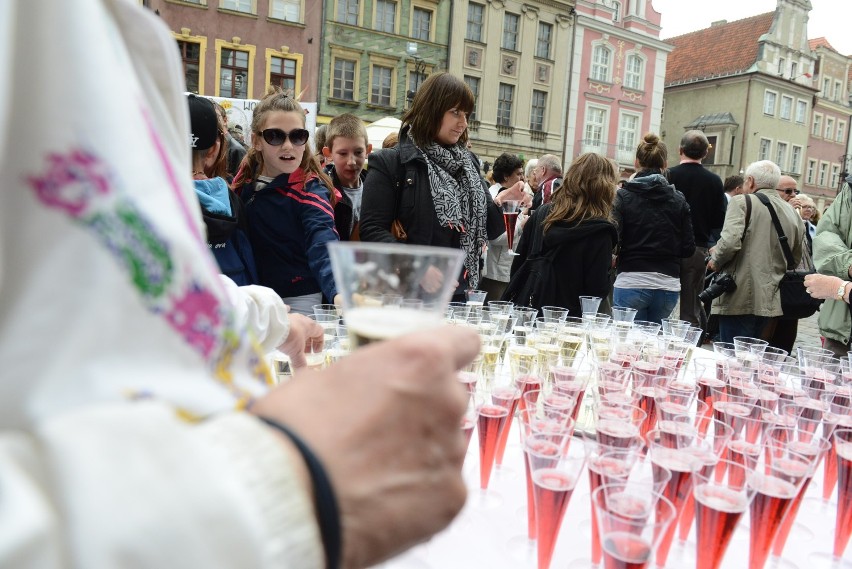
column 190, row 54
column 421, row 27
column 539, row 104
column 786, row 111
column 238, row 6
column 769, row 99
column 809, row 178
column 801, row 111
column 633, row 73
column 835, row 173
column 796, row 160
column 763, row 152
column 829, row 128
column 343, row 82
column 545, row 37
column 288, row 10
column 233, row 74
column 283, row 74
column 386, row 16
column 473, row 84
column 380, row 90
column 782, row 66
column 838, row 92
column 711, row 151
column 823, row 174
column 826, row 87
column 781, row 155
column 475, row 19
column 841, row 131
column 595, row 124
column 817, row 127
column 347, row 12
column 505, row 96
column 616, row 11
column 511, row 23
column 601, row 57
column 627, row 130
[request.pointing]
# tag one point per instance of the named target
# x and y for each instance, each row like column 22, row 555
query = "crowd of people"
column 139, row 422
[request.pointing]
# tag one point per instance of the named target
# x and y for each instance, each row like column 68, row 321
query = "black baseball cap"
column 203, row 121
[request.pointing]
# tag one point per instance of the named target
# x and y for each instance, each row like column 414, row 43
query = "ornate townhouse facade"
column 617, row 78
column 830, row 120
column 238, row 48
column 514, row 55
column 376, row 53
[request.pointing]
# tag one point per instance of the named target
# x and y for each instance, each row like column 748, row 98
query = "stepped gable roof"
column 717, row 51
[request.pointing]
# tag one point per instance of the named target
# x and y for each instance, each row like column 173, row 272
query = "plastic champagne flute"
column 555, row 470
column 511, row 209
column 843, row 524
column 630, row 523
column 776, row 478
column 556, row 426
column 720, row 502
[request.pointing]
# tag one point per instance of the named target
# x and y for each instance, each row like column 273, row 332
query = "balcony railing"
column 505, row 130
column 621, row 153
column 538, row 135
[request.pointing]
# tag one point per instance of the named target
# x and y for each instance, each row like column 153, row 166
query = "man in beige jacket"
column 749, row 250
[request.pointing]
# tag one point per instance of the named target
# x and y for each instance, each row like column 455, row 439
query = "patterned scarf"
column 459, row 200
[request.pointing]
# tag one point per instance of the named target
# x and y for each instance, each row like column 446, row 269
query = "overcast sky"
column 829, row 18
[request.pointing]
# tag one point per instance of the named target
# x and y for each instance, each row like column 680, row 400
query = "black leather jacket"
column 397, row 186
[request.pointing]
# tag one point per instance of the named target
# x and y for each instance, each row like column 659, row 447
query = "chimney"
column 718, row 23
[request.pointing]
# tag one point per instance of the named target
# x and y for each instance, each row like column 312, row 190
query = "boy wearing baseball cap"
column 220, row 207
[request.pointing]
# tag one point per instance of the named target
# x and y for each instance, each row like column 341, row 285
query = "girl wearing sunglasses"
column 289, row 205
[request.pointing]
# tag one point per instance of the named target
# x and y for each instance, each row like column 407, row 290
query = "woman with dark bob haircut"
column 428, row 190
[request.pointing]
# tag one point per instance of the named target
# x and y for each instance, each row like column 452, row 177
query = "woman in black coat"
column 577, row 223
column 655, row 233
column 430, row 183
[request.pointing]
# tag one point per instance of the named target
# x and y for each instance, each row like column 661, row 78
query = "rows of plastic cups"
column 334, row 344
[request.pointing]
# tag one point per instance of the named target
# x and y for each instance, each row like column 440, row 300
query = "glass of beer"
column 416, row 281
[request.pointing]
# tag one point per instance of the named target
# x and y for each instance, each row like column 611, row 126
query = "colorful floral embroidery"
column 81, row 185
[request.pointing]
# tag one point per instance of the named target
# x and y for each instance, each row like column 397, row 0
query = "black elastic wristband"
column 325, row 500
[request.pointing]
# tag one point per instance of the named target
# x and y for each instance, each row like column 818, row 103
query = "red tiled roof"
column 820, row 42
column 720, row 50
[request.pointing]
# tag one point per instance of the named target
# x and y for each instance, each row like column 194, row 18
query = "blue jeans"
column 652, row 305
column 741, row 325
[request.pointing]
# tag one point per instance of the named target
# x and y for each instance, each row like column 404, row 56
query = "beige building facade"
column 515, row 57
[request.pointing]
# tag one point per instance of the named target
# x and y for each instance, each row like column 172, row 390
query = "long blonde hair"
column 587, row 191
column 252, row 165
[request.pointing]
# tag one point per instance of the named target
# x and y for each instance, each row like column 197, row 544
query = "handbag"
column 795, row 302
column 533, row 285
column 396, row 228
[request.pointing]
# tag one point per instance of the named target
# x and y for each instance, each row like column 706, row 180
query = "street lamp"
column 419, row 70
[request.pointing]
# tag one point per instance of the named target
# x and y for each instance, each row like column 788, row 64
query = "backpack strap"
column 538, row 231
column 785, row 246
